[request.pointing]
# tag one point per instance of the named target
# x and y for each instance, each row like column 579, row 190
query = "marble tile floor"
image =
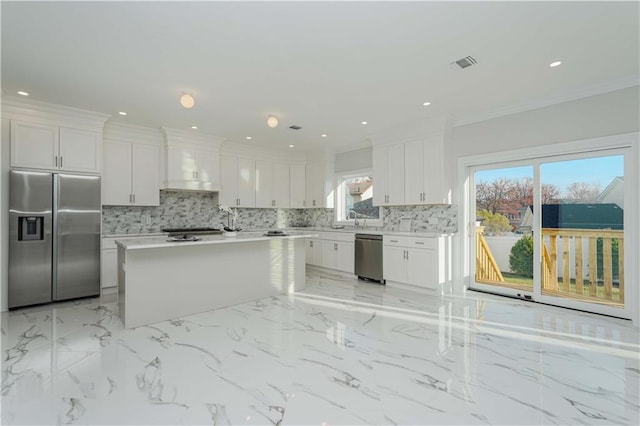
column 339, row 352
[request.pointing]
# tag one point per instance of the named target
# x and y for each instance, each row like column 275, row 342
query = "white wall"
column 354, row 160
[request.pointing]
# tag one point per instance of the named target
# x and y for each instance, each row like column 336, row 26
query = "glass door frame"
column 627, row 145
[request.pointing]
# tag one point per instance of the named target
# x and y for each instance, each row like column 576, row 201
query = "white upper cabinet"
column 388, row 170
column 297, row 186
column 80, row 150
column 44, row 146
column 410, row 173
column 237, row 181
column 263, row 180
column 280, row 185
column 145, row 175
column 192, row 167
column 131, row 174
column 318, row 185
column 192, row 161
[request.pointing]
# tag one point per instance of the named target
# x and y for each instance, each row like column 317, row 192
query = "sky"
column 599, row 170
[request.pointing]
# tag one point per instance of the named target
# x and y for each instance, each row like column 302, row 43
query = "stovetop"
column 201, row 231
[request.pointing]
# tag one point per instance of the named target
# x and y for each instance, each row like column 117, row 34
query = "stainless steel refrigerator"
column 54, row 231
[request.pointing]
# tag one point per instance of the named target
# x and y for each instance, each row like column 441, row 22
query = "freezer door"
column 77, row 252
column 30, row 247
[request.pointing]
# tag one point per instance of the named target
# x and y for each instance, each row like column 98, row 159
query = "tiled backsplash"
column 430, row 218
column 199, row 209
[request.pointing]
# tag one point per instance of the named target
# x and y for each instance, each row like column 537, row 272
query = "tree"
column 494, row 223
column 492, row 196
column 549, row 193
column 521, row 257
column 583, row 192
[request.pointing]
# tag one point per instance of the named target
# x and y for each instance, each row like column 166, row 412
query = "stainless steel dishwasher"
column 368, row 257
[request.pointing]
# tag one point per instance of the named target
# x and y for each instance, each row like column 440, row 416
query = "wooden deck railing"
column 597, row 257
column 486, row 266
column 604, row 262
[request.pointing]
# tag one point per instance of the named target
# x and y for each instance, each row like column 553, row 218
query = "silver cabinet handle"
column 130, row 198
column 61, row 160
column 393, row 241
column 419, row 242
column 304, row 203
column 134, row 198
column 56, row 160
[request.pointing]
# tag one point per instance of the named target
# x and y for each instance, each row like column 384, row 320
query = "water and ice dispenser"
column 30, row 228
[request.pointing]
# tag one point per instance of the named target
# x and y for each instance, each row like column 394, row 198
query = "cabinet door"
column 346, row 257
column 308, row 252
column 208, row 166
column 297, row 186
column 394, row 264
column 436, row 186
column 329, row 254
column 116, row 179
column 280, row 185
column 263, row 180
column 246, row 185
column 317, row 252
column 311, row 185
column 380, row 162
column 181, row 163
column 109, row 268
column 422, row 268
column 228, row 181
column 34, row 145
column 145, row 175
column 80, row 150
column 395, row 190
column 414, row 172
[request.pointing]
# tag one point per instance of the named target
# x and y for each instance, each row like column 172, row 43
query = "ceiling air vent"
column 294, row 127
column 465, row 62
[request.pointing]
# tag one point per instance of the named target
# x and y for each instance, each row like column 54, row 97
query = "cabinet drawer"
column 396, row 241
column 338, row 236
column 426, row 243
column 411, row 242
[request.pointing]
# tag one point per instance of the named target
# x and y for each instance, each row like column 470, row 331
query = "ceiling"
column 324, row 66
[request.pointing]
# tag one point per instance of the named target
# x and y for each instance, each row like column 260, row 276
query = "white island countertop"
column 241, row 237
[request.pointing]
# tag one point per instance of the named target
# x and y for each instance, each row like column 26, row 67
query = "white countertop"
column 379, row 232
column 241, row 237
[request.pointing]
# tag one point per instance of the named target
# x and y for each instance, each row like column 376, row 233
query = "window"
column 355, row 200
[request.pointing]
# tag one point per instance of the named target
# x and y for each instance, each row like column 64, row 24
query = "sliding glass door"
column 552, row 229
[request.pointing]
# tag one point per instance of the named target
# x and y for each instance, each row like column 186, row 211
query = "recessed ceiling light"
column 364, row 122
column 426, row 104
column 323, row 135
column 248, row 138
column 555, row 64
column 291, row 146
column 21, row 93
column 122, row 113
column 194, row 127
column 272, row 121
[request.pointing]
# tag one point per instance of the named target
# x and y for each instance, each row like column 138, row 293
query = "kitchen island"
column 160, row 280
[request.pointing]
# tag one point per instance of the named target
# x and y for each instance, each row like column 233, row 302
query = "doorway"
column 552, row 229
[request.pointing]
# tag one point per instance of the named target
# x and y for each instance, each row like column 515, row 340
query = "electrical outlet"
column 146, row 219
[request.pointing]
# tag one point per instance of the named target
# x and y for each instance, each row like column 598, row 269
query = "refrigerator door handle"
column 54, row 238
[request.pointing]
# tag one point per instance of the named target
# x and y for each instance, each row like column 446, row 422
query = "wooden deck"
column 580, row 264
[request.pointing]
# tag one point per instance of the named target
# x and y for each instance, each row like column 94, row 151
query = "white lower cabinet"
column 338, row 255
column 109, row 263
column 313, row 254
column 413, row 261
column 333, row 250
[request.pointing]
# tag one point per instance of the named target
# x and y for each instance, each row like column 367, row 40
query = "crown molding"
column 260, row 153
column 125, row 132
column 428, row 128
column 191, row 137
column 57, row 115
column 584, row 92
